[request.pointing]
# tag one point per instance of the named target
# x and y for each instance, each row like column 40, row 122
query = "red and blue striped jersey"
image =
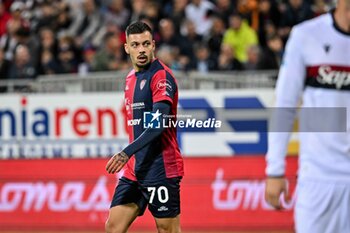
column 161, row 158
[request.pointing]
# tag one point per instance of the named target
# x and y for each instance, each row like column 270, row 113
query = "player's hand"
column 273, row 190
column 117, row 162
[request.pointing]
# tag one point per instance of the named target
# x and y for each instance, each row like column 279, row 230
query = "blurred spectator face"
column 151, row 10
column 235, row 22
column 46, row 57
column 13, row 26
column 165, row 55
column 180, row 5
column 295, row 3
column 275, row 44
column 47, row 38
column 17, row 9
column 113, row 43
column 166, row 29
column 140, row 47
column 223, row 4
column 202, row 53
column 190, row 28
column 270, row 29
column 117, row 5
column 47, row 10
column 66, row 55
column 89, row 56
column 264, row 6
column 253, row 54
column 89, row 6
column 22, row 55
column 138, row 6
column 218, row 25
column 196, row 2
column 226, row 50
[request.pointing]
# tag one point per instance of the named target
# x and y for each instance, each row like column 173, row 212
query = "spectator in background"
column 111, row 55
column 168, row 56
column 227, row 61
column 254, row 58
column 68, row 62
column 48, row 40
column 87, row 65
column 9, row 42
column 117, row 14
column 176, row 41
column 4, row 66
column 296, row 12
column 240, row 36
column 85, row 24
column 47, row 16
column 152, row 13
column 203, row 62
column 272, row 54
column 190, row 33
column 64, row 18
column 48, row 63
column 268, row 14
column 178, row 14
column 214, row 39
column 4, row 18
column 200, row 12
column 22, row 67
column 224, row 9
column 137, row 7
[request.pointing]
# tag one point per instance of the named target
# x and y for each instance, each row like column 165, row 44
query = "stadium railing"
column 114, row 81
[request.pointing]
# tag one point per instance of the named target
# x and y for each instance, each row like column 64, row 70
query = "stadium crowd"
column 61, row 36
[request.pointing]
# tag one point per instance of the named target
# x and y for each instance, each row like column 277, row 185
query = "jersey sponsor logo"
column 134, row 122
column 337, row 77
column 138, row 105
column 164, row 85
column 142, row 83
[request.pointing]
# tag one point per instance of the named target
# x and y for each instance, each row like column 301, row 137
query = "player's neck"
column 341, row 19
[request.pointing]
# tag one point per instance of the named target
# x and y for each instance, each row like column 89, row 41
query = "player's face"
column 140, row 47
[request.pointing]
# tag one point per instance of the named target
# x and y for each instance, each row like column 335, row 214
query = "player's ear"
column 153, row 45
column 126, row 48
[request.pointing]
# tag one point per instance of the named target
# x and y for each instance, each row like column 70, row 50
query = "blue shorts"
column 162, row 197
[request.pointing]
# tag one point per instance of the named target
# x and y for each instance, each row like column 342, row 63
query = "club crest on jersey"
column 142, row 83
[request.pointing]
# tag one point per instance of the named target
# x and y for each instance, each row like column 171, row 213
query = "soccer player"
column 316, row 67
column 154, row 165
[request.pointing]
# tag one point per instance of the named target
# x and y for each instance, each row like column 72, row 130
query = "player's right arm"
column 288, row 91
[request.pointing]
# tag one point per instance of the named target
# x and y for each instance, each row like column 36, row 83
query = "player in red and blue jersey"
column 153, row 163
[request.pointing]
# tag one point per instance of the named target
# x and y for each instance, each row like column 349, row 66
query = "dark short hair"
column 137, row 28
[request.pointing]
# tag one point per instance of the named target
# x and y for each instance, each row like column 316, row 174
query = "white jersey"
column 316, row 73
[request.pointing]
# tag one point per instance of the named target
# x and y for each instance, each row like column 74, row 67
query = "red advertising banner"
column 217, row 193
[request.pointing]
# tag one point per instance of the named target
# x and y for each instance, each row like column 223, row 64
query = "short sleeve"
column 163, row 86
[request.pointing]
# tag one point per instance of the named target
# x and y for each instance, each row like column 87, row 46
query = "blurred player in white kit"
column 316, row 72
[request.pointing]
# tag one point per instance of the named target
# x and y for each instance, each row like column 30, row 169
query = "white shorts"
column 322, row 207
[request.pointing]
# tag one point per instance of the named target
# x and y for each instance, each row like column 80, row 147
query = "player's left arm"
column 116, row 163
